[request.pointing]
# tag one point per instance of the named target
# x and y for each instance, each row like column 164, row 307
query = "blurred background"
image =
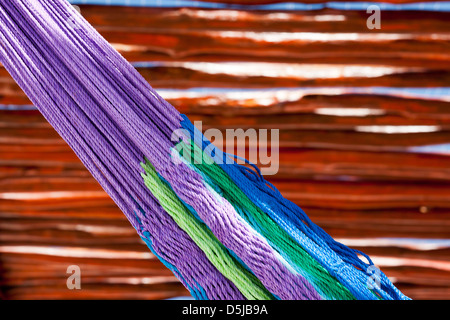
column 363, row 114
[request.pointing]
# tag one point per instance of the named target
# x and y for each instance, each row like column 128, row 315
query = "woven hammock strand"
column 243, row 238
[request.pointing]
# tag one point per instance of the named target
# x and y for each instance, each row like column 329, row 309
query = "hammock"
column 219, row 226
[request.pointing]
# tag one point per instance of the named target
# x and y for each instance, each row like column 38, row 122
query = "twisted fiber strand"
column 341, row 261
column 39, row 83
column 246, row 282
column 300, row 260
column 342, row 264
column 270, row 207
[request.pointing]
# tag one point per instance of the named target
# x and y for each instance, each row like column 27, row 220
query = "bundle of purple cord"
column 222, row 229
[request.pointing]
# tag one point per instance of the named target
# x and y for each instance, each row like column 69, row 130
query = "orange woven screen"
column 355, row 150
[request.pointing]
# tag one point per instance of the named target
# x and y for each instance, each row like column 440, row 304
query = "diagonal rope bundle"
column 221, row 228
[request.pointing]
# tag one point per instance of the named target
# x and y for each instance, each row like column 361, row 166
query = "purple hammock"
column 223, row 230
